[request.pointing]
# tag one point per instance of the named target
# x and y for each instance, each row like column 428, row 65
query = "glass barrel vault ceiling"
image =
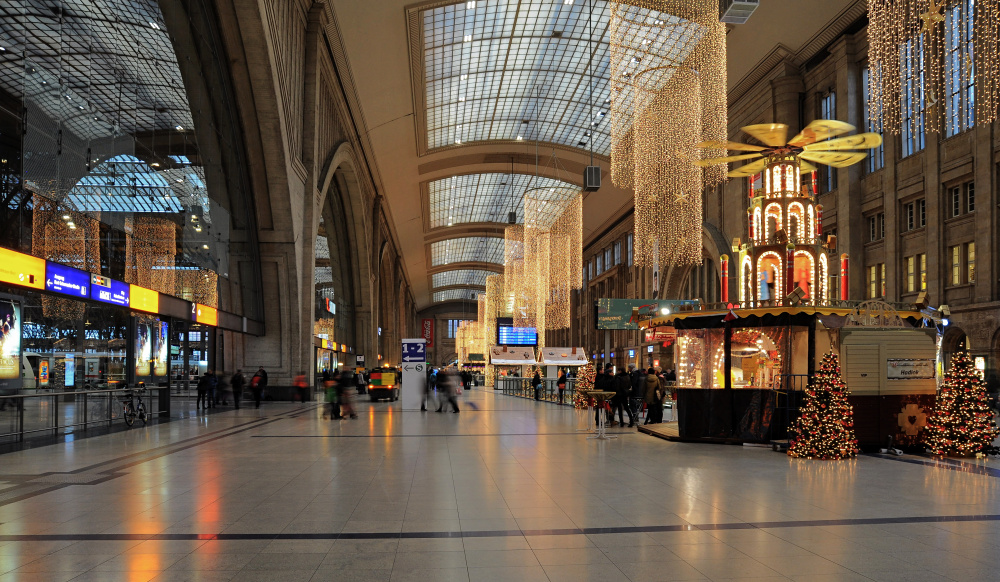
column 489, row 197
column 491, row 65
column 470, row 249
column 468, row 277
column 494, row 67
column 455, row 294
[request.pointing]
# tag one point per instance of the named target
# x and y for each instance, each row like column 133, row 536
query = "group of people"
column 633, row 389
column 338, row 388
column 447, row 383
column 214, row 390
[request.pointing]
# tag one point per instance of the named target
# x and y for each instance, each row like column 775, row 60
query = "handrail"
column 79, row 392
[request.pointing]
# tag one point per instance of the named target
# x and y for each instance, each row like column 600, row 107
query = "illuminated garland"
column 825, row 427
column 68, row 237
column 906, row 38
column 962, row 421
column 668, row 77
column 150, row 253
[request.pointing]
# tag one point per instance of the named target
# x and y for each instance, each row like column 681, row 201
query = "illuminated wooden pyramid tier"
column 784, row 262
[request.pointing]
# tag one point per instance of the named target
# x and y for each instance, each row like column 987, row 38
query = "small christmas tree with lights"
column 585, row 381
column 962, row 422
column 825, row 427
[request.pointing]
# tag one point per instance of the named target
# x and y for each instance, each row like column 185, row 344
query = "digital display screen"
column 67, row 280
column 517, row 336
column 109, row 290
column 10, row 340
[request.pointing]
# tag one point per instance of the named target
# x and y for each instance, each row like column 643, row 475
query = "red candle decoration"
column 843, row 277
column 724, row 260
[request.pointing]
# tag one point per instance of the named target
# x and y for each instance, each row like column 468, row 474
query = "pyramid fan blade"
column 749, row 169
column 730, row 145
column 851, row 142
column 821, row 129
column 835, row 159
column 805, row 167
column 772, row 134
column 714, row 161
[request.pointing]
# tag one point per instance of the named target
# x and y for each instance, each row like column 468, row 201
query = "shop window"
column 913, row 100
column 970, row 259
column 956, row 264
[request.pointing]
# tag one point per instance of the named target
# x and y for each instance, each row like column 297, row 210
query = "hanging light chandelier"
column 668, row 81
column 932, row 61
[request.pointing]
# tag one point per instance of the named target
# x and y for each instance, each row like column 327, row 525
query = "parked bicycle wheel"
column 129, row 414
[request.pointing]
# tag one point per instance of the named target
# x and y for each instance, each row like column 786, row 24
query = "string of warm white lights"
column 150, row 251
column 496, row 304
column 68, row 237
column 668, row 93
column 922, row 52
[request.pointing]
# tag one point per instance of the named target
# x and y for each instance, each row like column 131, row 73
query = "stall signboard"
column 666, row 333
column 20, row 269
column 142, row 299
column 905, row 369
column 512, row 356
column 108, row 290
column 67, row 280
column 617, row 313
column 10, row 344
column 359, row 360
column 564, row 356
column 205, row 314
column 427, row 331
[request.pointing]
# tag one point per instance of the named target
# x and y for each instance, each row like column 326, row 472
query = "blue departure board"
column 517, row 336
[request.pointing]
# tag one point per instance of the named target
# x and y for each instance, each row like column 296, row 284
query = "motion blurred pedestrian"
column 237, row 382
column 257, row 384
column 623, row 386
column 344, row 396
column 300, row 387
column 449, row 387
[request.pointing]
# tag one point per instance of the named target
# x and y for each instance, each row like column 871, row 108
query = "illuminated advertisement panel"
column 67, row 280
column 161, row 348
column 10, row 343
column 143, row 349
column 20, row 269
column 108, row 290
column 205, row 314
column 142, row 299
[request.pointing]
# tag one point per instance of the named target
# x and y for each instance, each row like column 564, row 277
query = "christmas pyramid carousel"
column 743, row 364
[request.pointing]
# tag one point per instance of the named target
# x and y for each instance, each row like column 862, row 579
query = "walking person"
column 561, row 385
column 300, row 387
column 449, row 385
column 202, row 400
column 651, row 396
column 345, row 397
column 623, row 386
column 257, row 384
column 329, row 396
column 237, row 382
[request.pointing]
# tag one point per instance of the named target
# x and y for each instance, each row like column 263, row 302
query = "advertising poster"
column 70, row 376
column 10, row 344
column 427, row 331
column 43, row 372
column 161, row 348
column 143, row 349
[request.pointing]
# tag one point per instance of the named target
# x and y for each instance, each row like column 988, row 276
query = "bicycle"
column 133, row 406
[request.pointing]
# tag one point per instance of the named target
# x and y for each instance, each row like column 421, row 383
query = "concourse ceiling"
column 465, row 105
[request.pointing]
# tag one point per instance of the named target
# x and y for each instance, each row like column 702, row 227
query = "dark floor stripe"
column 949, row 464
column 498, row 533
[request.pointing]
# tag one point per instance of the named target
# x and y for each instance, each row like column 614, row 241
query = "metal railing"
column 65, row 412
column 548, row 390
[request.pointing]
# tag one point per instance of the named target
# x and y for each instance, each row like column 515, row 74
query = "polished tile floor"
column 505, row 490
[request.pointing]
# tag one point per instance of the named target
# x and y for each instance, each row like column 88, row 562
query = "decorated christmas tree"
column 825, row 428
column 584, row 381
column 962, row 421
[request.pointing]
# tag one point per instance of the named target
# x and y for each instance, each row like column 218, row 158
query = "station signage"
column 909, row 369
column 67, row 280
column 20, row 269
column 108, row 290
column 142, row 299
column 205, row 314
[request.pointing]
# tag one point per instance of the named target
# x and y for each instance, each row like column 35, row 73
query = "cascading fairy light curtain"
column 496, row 303
column 668, row 93
column 923, row 52
column 513, row 266
column 68, row 237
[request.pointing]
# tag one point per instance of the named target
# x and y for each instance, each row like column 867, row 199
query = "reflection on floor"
column 507, row 490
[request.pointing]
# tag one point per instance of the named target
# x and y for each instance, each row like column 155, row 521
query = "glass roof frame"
column 488, row 197
column 461, row 277
column 469, row 249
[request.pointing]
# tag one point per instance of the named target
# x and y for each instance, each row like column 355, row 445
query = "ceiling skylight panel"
column 471, row 277
column 455, row 294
